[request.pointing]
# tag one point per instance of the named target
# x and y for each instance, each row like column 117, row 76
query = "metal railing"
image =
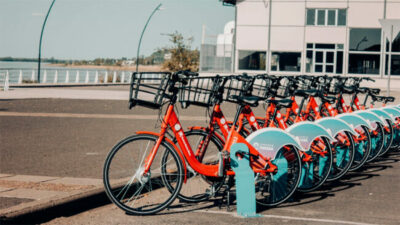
column 64, row 76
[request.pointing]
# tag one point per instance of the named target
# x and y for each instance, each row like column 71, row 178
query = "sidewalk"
column 23, row 194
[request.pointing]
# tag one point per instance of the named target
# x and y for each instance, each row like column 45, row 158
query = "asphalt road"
column 369, row 196
column 59, row 137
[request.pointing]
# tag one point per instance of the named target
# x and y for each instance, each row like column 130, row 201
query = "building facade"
column 315, row 37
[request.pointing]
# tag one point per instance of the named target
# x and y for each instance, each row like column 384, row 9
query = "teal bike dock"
column 269, row 142
column 306, row 133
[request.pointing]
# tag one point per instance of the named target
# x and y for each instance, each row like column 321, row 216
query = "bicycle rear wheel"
column 316, row 171
column 275, row 188
column 198, row 187
column 135, row 192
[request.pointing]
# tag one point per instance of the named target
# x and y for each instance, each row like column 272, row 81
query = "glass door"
column 324, row 61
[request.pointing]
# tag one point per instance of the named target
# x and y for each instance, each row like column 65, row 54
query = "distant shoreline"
column 154, row 68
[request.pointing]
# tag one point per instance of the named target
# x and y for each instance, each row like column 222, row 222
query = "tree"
column 182, row 56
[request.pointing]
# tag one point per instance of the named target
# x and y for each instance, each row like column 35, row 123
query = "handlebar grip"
column 367, row 79
column 190, row 73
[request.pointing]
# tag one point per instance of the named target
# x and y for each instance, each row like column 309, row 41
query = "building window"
column 252, row 60
column 364, row 50
column 395, row 65
column 395, row 44
column 365, row 39
column 324, row 58
column 364, row 63
column 310, row 16
column 326, row 17
column 342, row 17
column 286, row 61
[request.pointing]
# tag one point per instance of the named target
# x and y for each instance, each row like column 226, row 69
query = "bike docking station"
column 244, row 176
column 269, row 142
column 306, row 133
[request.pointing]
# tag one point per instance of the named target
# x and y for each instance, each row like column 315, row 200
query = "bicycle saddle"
column 329, row 99
column 285, row 103
column 305, row 93
column 349, row 89
column 247, row 100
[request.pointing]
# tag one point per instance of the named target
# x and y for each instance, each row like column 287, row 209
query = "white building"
column 314, row 37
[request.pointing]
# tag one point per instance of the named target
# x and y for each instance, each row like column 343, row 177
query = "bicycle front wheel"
column 275, row 188
column 362, row 147
column 377, row 142
column 343, row 155
column 316, row 165
column 130, row 188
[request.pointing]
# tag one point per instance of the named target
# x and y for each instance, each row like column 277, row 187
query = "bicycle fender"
column 335, row 126
column 371, row 118
column 382, row 114
column 391, row 111
column 268, row 141
column 306, row 132
column 178, row 150
column 353, row 120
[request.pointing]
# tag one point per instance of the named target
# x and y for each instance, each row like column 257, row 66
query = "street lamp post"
column 141, row 36
column 41, row 36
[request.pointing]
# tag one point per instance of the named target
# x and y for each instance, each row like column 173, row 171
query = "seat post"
column 238, row 112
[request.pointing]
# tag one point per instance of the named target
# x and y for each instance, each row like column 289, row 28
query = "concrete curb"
column 40, row 205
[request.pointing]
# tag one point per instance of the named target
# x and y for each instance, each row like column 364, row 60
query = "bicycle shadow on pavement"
column 350, row 180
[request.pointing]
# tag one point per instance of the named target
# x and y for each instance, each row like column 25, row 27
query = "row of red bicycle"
column 307, row 136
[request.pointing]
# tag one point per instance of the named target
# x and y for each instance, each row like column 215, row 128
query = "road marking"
column 97, row 116
column 292, row 218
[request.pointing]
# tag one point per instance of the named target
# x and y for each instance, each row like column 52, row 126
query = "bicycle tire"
column 123, row 180
column 316, row 171
column 198, row 187
column 377, row 142
column 388, row 138
column 274, row 189
column 343, row 157
column 363, row 148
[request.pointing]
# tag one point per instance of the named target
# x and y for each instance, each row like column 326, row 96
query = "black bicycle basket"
column 351, row 81
column 282, row 88
column 149, row 89
column 237, row 86
column 304, row 84
column 262, row 86
column 198, row 91
column 334, row 86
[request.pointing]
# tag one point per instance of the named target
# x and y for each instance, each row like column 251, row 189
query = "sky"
column 89, row 29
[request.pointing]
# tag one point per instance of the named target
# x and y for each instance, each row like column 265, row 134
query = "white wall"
column 330, row 35
column 287, row 38
column 253, row 13
column 365, row 14
column 251, row 38
column 288, row 13
column 393, row 9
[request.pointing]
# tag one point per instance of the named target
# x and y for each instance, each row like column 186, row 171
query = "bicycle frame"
column 170, row 120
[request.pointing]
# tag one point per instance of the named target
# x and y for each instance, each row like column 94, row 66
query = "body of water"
column 21, row 65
